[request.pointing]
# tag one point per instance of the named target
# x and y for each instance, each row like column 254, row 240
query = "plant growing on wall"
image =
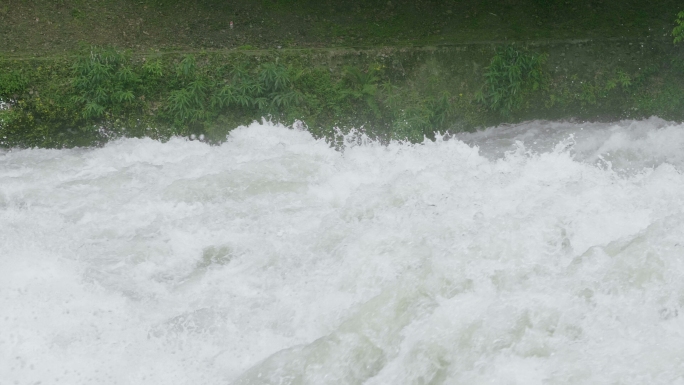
column 511, row 74
column 277, row 87
column 11, row 83
column 104, row 82
column 269, row 89
column 678, row 31
column 199, row 96
column 188, row 103
column 362, row 85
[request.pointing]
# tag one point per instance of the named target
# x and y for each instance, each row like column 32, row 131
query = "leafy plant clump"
column 105, row 83
column 105, row 93
column 678, row 31
column 101, row 94
column 511, row 75
column 11, row 84
column 196, row 97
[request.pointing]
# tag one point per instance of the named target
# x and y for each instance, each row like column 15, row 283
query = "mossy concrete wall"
column 598, row 80
column 576, row 69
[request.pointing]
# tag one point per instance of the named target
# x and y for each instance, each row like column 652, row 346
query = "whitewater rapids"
column 541, row 253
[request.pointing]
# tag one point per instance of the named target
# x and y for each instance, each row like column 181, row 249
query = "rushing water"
column 543, row 253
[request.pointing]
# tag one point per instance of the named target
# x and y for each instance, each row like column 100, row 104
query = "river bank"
column 105, row 87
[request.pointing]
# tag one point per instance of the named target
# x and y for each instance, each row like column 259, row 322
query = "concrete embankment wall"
column 594, row 80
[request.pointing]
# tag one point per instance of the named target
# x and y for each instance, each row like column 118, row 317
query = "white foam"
column 273, row 259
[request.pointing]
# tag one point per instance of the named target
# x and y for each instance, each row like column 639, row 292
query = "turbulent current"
column 541, row 253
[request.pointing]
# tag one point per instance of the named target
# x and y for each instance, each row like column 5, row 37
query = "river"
column 538, row 253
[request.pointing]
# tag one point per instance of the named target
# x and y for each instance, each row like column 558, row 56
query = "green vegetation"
column 11, row 83
column 678, row 31
column 101, row 94
column 104, row 82
column 511, row 75
column 177, row 68
column 105, row 93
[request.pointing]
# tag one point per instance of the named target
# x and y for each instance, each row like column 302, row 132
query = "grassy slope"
column 413, row 91
column 41, row 27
